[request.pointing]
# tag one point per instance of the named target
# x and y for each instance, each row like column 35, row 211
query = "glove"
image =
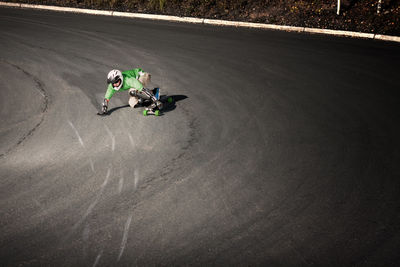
column 104, row 108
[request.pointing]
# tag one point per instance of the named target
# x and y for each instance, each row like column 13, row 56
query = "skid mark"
column 106, row 180
column 88, row 211
column 120, row 185
column 85, row 238
column 85, row 234
column 37, row 203
column 147, row 147
column 112, row 138
column 91, row 164
column 125, row 237
column 131, row 140
column 76, row 133
column 121, row 182
column 91, row 206
column 40, row 87
column 97, row 259
column 135, row 178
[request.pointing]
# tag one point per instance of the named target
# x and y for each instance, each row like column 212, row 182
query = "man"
column 133, row 80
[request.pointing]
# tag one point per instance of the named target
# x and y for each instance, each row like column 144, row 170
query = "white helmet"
column 113, row 77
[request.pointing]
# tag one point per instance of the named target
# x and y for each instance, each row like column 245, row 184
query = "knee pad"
column 133, row 101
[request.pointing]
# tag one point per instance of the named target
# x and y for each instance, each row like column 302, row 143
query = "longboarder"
column 135, row 81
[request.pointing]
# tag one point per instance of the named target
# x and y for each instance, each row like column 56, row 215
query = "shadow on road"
column 116, row 108
column 167, row 106
column 171, row 106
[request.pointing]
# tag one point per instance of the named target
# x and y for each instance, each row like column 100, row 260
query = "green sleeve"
column 137, row 85
column 110, row 92
column 133, row 73
column 132, row 83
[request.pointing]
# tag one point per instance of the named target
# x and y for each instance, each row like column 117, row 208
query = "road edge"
column 208, row 21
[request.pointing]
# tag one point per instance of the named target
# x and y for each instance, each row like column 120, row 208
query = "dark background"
column 355, row 15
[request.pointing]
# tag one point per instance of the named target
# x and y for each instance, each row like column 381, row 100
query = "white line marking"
column 77, row 134
column 340, row 33
column 10, row 4
column 125, row 237
column 387, row 38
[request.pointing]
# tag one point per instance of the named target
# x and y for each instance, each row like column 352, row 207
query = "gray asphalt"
column 282, row 151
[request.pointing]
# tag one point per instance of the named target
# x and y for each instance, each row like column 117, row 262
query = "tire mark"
column 42, row 91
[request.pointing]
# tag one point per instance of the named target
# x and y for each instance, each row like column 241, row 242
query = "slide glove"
column 104, row 108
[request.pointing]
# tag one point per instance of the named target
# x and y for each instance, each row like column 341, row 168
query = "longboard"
column 164, row 99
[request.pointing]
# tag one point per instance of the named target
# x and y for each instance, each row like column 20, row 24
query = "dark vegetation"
column 355, row 15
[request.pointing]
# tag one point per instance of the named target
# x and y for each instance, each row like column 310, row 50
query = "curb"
column 208, row 21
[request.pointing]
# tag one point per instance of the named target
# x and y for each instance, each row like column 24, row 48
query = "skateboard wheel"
column 145, row 112
column 157, row 113
column 169, row 99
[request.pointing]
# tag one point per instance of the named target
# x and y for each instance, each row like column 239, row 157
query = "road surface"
column 283, row 149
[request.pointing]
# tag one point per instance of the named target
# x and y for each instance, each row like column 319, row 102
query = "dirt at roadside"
column 360, row 16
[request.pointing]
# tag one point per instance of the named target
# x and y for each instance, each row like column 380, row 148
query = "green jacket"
column 129, row 81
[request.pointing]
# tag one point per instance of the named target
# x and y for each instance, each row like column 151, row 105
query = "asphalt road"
column 283, row 149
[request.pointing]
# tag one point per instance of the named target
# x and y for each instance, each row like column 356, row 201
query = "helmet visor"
column 113, row 80
column 116, row 83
